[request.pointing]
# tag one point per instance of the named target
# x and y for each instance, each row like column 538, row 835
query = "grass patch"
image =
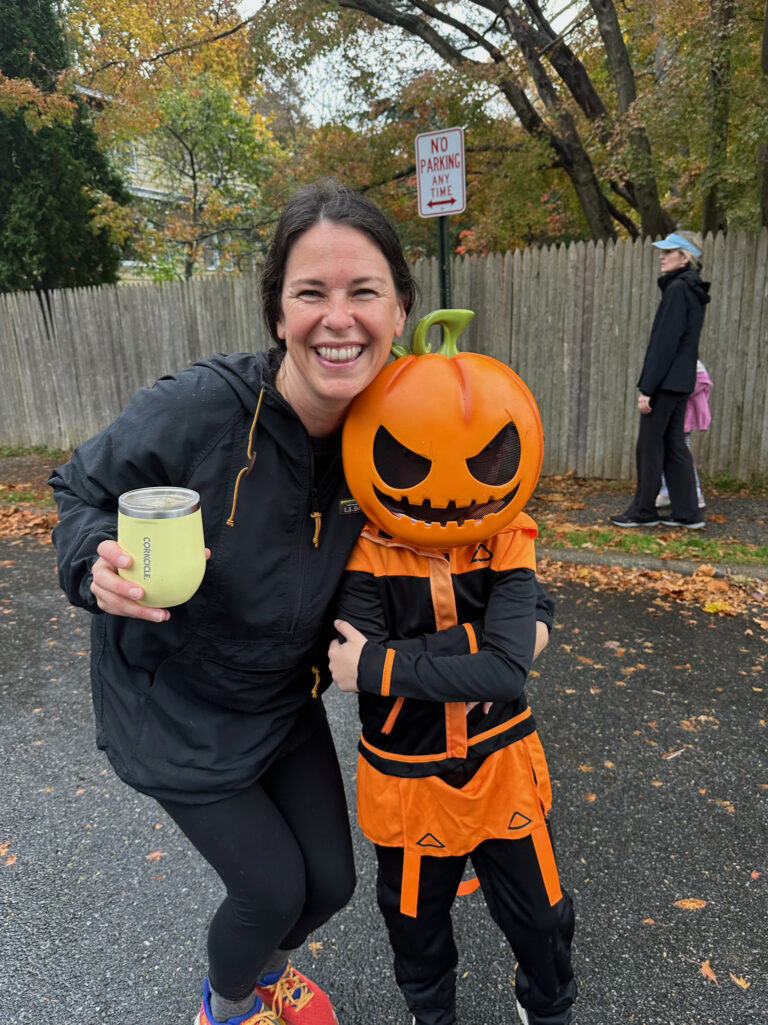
column 57, row 454
column 662, row 544
column 36, row 498
column 726, row 484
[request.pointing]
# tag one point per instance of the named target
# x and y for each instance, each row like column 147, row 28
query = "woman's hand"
column 343, row 659
column 117, row 596
column 644, row 403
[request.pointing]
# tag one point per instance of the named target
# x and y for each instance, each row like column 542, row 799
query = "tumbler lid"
column 158, row 503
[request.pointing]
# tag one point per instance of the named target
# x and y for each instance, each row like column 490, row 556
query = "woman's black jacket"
column 673, row 348
column 196, row 708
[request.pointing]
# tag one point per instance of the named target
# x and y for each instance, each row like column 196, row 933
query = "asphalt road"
column 654, row 721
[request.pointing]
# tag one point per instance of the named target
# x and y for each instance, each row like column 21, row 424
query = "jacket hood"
column 246, row 373
column 691, row 278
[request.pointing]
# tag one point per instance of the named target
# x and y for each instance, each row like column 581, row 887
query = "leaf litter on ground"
column 717, row 595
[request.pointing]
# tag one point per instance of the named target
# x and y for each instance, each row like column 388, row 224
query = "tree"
column 714, row 216
column 515, row 197
column 60, row 218
column 763, row 146
column 516, row 49
column 213, row 154
column 647, row 113
column 182, row 92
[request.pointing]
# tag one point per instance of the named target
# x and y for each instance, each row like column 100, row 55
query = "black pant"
column 283, row 851
column 539, row 933
column 661, row 446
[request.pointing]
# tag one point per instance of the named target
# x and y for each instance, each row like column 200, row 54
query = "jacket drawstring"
column 316, row 688
column 318, row 518
column 251, row 460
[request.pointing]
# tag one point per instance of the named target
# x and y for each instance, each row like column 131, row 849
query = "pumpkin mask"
column 443, row 449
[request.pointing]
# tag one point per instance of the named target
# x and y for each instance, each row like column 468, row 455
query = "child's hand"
column 343, row 659
column 473, row 704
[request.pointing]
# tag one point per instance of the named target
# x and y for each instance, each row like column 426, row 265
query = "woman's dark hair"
column 329, row 200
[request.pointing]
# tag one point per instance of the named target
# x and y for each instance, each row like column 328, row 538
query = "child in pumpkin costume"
column 439, row 638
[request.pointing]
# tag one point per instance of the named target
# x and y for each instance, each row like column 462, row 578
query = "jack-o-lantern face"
column 443, row 449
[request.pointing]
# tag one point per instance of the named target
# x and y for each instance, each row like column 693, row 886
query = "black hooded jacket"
column 196, row 708
column 673, row 348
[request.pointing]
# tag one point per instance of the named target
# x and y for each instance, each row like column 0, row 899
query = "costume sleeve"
column 545, row 607
column 497, row 664
column 495, row 672
column 157, row 440
column 669, row 328
column 360, row 604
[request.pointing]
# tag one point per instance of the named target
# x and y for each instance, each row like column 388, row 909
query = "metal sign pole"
column 444, row 260
column 441, row 186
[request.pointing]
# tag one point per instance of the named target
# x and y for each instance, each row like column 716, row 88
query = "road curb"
column 687, row 567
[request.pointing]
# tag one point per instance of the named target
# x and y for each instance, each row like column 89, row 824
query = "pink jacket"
column 697, row 415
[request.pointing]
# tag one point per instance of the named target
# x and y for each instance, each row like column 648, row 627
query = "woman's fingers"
column 115, row 595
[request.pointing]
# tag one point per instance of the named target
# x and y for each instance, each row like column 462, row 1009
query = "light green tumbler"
column 162, row 528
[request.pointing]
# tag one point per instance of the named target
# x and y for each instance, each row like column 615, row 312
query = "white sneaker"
column 522, row 1013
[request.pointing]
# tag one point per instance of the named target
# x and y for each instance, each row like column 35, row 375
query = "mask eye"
column 498, row 462
column 397, row 465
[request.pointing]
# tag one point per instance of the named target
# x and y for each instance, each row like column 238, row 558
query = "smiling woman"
column 339, row 313
column 214, row 711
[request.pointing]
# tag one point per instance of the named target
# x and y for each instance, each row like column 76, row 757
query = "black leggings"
column 283, row 851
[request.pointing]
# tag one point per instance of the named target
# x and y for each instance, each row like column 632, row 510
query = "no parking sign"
column 440, row 172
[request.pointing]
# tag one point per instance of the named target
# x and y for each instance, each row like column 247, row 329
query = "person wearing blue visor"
column 667, row 379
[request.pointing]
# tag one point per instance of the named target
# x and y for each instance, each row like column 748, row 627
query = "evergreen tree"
column 54, row 180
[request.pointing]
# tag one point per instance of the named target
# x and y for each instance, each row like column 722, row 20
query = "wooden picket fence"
column 573, row 321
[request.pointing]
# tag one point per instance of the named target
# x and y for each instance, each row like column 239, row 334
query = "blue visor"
column 674, row 241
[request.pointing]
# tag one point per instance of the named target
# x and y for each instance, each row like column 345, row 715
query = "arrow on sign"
column 441, row 202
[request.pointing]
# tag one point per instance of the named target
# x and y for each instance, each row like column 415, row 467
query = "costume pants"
column 661, row 447
column 539, row 933
column 283, row 850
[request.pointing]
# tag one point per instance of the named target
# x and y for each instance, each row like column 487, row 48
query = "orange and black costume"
column 437, row 785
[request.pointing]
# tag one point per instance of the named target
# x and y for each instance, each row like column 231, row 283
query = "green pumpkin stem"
column 453, row 323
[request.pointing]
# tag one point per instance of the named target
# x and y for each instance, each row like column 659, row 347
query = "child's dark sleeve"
column 359, row 603
column 545, row 607
column 496, row 672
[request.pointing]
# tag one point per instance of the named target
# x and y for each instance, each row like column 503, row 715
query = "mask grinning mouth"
column 427, row 513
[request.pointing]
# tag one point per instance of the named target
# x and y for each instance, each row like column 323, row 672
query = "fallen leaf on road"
column 155, row 855
column 691, row 904
column 315, row 947
column 709, row 975
column 739, row 980
column 728, row 805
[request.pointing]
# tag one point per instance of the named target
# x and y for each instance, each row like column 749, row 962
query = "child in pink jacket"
column 697, row 418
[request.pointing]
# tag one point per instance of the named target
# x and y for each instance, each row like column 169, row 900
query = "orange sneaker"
column 295, row 999
column 259, row 1014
